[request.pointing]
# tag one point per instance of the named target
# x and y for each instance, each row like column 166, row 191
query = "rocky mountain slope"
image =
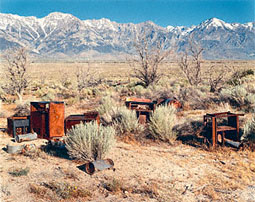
column 60, row 35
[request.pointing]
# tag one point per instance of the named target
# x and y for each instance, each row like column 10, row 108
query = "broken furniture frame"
column 81, row 118
column 47, row 119
column 220, row 132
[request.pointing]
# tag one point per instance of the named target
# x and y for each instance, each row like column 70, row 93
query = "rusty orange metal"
column 170, row 101
column 81, row 118
column 219, row 134
column 143, row 108
column 47, row 119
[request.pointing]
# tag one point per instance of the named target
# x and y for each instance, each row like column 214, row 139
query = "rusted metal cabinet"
column 18, row 125
column 81, row 118
column 47, row 119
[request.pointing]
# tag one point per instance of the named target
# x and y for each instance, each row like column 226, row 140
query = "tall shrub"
column 125, row 121
column 90, row 141
column 161, row 125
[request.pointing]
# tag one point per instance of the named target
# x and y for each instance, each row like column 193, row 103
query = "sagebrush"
column 125, row 121
column 249, row 130
column 90, row 141
column 162, row 122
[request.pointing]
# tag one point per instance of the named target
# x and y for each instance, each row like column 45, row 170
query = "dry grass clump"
column 249, row 130
column 162, row 122
column 62, row 190
column 125, row 121
column 19, row 172
column 114, row 185
column 90, row 141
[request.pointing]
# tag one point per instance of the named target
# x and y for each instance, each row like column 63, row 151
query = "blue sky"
column 161, row 12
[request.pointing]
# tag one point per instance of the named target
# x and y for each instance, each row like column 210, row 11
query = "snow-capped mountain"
column 60, row 35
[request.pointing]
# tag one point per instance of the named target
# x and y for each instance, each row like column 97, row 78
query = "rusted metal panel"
column 39, row 114
column 47, row 119
column 81, row 118
column 56, row 119
column 18, row 125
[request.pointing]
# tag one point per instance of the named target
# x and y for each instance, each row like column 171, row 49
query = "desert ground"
column 145, row 169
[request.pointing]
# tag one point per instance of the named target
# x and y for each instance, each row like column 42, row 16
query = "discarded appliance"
column 26, row 137
column 18, row 125
column 143, row 108
column 47, row 119
column 98, row 165
column 78, row 118
column 14, row 148
column 222, row 133
column 170, row 101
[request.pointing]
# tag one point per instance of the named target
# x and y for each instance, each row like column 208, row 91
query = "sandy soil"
column 152, row 172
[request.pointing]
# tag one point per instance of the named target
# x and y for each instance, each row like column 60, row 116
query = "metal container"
column 18, row 125
column 47, row 119
column 98, row 165
column 81, row 118
column 26, row 137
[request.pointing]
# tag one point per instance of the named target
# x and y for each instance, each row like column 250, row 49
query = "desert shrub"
column 114, row 185
column 194, row 97
column 106, row 104
column 63, row 190
column 125, row 121
column 249, row 130
column 238, row 77
column 19, row 172
column 162, row 122
column 239, row 96
column 89, row 141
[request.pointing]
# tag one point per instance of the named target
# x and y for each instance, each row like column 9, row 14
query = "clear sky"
column 161, row 12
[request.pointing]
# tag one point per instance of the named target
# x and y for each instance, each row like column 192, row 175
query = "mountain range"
column 63, row 36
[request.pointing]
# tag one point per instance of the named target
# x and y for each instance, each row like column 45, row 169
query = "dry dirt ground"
column 148, row 172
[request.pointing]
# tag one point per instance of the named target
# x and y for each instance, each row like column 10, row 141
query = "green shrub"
column 249, row 130
column 90, row 141
column 106, row 104
column 239, row 96
column 162, row 121
column 238, row 77
column 125, row 121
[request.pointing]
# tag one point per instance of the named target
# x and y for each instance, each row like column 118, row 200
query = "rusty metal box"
column 78, row 118
column 47, row 119
column 18, row 125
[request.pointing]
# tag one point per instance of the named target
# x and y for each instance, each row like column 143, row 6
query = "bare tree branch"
column 150, row 56
column 190, row 63
column 17, row 62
